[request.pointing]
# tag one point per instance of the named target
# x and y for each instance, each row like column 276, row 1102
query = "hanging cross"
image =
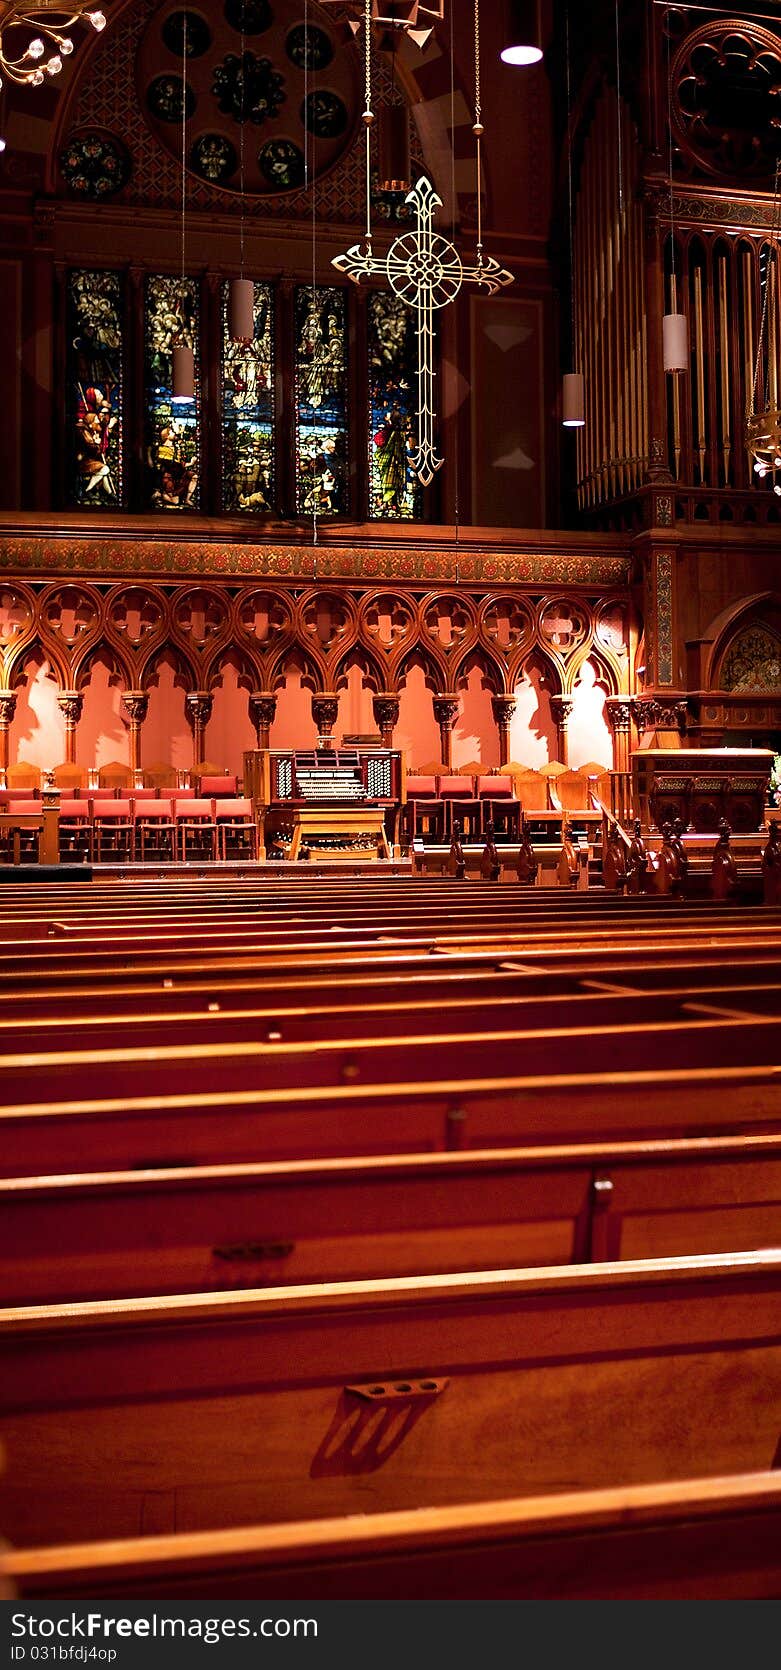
column 426, row 271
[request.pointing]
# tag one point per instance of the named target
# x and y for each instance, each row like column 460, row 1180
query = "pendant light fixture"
column 522, row 32
column 241, row 290
column 573, row 403
column 182, row 354
column 675, row 325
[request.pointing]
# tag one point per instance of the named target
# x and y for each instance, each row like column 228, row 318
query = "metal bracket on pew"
column 455, row 1121
column 601, row 1200
column 254, row 1251
column 384, row 1391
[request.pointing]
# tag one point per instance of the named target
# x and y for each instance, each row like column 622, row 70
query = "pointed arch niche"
column 475, row 733
column 589, row 736
column 534, row 736
column 37, row 731
column 294, row 726
column 230, row 730
column 166, row 735
column 102, row 737
column 417, row 731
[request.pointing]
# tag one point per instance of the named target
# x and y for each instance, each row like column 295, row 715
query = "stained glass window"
column 172, row 442
column 321, row 402
column 248, row 410
column 94, row 398
column 394, row 493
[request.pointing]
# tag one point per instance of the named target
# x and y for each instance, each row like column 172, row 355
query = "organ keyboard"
column 333, row 802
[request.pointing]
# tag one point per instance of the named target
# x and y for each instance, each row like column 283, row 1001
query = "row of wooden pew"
column 388, row 1238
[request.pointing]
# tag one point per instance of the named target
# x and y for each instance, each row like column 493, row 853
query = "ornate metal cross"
column 426, row 271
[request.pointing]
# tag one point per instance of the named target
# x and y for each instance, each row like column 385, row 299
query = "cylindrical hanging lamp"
column 522, row 32
column 675, row 342
column 241, row 309
column 183, row 359
column 393, row 157
column 573, row 404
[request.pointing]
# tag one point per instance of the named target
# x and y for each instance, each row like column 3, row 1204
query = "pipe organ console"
column 330, row 802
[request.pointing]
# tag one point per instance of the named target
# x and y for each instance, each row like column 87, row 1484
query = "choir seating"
column 237, row 832
column 112, row 830
column 700, row 1539
column 196, row 829
column 154, row 828
column 305, row 1401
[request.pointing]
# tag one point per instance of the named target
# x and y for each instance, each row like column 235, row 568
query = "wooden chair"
column 236, row 828
column 22, row 776
column 196, row 829
column 219, row 786
column 113, row 830
column 155, row 829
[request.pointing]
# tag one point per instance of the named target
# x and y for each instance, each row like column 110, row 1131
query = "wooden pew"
column 123, row 1234
column 212, row 1127
column 234, row 1069
column 700, row 1539
column 203, row 1412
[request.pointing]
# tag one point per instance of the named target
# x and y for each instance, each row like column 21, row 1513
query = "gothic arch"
column 359, row 656
column 763, row 611
column 120, row 668
column 24, row 652
column 186, row 671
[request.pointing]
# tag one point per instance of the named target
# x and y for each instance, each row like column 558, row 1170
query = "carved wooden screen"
column 172, row 427
column 393, row 408
column 248, row 410
column 94, row 403
column 321, row 402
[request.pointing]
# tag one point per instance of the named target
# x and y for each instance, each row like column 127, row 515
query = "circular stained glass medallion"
column 248, row 88
column 94, row 165
column 189, row 26
column 249, row 17
column 282, row 164
column 309, row 48
column 324, row 114
column 213, row 157
column 164, row 98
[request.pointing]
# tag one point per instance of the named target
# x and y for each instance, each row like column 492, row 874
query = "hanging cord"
column 368, row 116
column 309, row 181
column 184, row 143
column 478, row 130
column 768, row 304
column 241, row 147
column 453, row 204
column 571, row 213
column 620, row 137
column 670, row 160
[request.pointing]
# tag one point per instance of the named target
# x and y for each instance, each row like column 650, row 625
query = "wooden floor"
column 372, row 1232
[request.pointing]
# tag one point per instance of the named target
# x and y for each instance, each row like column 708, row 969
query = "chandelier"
column 763, row 421
column 35, row 38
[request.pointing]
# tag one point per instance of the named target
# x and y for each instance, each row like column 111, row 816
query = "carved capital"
column 652, row 714
column 504, row 710
column 135, row 703
column 386, row 711
column 325, row 710
column 263, row 709
column 70, row 704
column 619, row 712
column 562, row 710
column 446, row 710
column 7, row 708
column 198, row 707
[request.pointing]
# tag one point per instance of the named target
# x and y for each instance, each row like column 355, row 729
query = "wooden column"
column 198, row 707
column 386, row 715
column 562, row 709
column 7, row 710
column 504, row 713
column 70, row 703
column 135, row 703
column 262, row 712
column 446, row 713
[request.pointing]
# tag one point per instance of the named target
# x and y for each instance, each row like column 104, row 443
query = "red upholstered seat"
column 220, row 786
column 421, row 788
column 236, row 827
column 155, row 828
column 75, row 827
column 456, row 788
column 143, row 794
column 195, row 823
column 495, row 788
column 7, row 795
column 113, row 829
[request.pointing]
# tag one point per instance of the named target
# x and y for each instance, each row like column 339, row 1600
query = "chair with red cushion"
column 458, row 798
column 224, row 788
column 196, row 830
column 423, row 808
column 112, row 830
column 21, row 843
column 75, row 827
column 155, row 830
column 236, row 828
column 499, row 804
